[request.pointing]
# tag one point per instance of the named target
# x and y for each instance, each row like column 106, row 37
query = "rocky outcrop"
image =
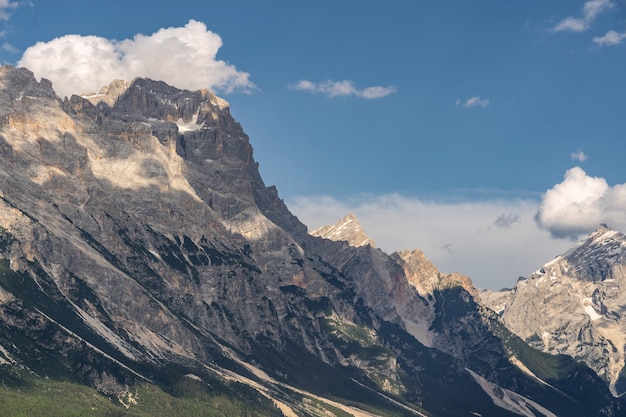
column 347, row 229
column 108, row 95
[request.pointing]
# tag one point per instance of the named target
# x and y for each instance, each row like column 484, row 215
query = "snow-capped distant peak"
column 593, row 258
column 602, row 234
column 603, row 241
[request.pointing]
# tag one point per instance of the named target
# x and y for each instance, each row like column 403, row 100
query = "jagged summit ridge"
column 593, row 258
column 596, row 256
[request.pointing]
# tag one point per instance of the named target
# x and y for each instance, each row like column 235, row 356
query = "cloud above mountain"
column 182, row 56
column 580, row 203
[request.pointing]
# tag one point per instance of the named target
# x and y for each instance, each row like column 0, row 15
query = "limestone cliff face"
column 154, row 198
column 574, row 305
column 136, row 233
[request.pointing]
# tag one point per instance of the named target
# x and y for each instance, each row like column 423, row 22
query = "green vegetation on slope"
column 23, row 394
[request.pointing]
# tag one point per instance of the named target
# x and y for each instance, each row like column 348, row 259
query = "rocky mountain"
column 139, row 247
column 347, row 229
column 574, row 305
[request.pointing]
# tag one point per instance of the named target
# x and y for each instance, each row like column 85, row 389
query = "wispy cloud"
column 579, row 155
column 611, row 38
column 81, row 64
column 591, row 10
column 7, row 47
column 342, row 89
column 473, row 102
column 6, row 8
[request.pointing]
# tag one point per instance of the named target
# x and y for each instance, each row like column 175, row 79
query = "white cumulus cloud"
column 342, row 89
column 493, row 242
column 181, row 56
column 580, row 203
column 591, row 9
column 611, row 38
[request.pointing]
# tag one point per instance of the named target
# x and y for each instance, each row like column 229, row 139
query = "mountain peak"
column 108, row 94
column 347, row 229
column 593, row 259
column 604, row 242
column 601, row 233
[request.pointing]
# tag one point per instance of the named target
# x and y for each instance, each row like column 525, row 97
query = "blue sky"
column 488, row 134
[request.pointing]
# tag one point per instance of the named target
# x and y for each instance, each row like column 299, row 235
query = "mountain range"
column 143, row 257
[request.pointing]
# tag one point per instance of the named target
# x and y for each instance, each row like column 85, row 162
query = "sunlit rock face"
column 574, row 305
column 347, row 229
column 118, row 197
column 136, row 234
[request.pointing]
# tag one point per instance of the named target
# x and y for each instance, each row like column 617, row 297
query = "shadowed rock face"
column 136, row 233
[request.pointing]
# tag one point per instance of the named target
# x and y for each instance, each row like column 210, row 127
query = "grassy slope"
column 25, row 395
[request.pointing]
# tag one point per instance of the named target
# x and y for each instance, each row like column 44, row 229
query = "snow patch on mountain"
column 192, row 126
column 588, row 307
